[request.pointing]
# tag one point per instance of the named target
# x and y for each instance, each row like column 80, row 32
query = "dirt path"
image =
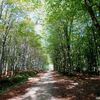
column 52, row 86
column 35, row 89
column 39, row 91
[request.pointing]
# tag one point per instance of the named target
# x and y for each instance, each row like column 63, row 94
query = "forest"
column 74, row 42
column 35, row 34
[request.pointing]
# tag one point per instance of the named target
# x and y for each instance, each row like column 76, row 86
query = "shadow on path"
column 52, row 86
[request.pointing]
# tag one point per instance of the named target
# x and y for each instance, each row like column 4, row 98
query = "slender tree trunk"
column 92, row 15
column 1, row 8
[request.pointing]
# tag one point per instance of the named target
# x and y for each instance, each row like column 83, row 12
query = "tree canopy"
column 67, row 31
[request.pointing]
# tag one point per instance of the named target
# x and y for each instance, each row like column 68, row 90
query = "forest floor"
column 53, row 86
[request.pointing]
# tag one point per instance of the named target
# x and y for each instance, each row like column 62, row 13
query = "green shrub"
column 5, row 82
column 28, row 73
column 20, row 77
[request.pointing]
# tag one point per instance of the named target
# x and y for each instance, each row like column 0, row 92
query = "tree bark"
column 92, row 15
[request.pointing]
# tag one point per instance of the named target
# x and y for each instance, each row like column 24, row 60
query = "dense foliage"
column 18, row 79
column 20, row 45
column 73, row 28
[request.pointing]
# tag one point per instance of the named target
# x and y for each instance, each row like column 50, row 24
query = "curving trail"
column 51, row 86
column 39, row 91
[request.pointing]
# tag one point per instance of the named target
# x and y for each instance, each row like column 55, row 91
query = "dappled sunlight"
column 43, row 90
column 53, row 86
column 48, row 82
column 70, row 87
column 93, row 78
column 38, row 91
column 97, row 98
column 32, row 80
column 75, row 84
column 49, row 50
